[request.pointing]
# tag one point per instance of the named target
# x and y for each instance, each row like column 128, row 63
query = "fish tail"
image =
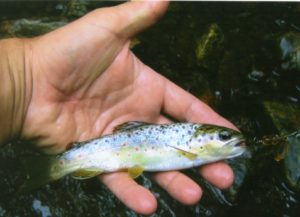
column 38, row 171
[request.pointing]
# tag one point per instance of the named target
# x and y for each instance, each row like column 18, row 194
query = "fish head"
column 215, row 142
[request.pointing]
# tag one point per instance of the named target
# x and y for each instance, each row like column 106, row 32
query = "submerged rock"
column 290, row 48
column 29, row 27
column 75, row 8
column 227, row 69
column 210, row 47
column 256, row 75
column 292, row 161
column 286, row 118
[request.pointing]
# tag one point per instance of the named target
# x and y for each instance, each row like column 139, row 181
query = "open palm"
column 85, row 80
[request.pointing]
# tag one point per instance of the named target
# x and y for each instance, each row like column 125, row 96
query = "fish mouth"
column 240, row 142
column 238, row 146
column 236, row 142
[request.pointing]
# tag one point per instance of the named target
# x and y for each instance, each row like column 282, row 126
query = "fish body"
column 138, row 147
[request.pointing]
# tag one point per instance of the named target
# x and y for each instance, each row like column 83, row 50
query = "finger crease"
column 170, row 182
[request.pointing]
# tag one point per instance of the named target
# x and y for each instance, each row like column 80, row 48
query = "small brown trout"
column 138, row 147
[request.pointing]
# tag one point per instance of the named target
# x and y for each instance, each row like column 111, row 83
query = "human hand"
column 85, row 80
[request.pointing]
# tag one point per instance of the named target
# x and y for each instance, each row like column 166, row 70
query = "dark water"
column 242, row 67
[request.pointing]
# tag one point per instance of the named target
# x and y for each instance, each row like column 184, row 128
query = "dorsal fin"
column 72, row 145
column 129, row 126
column 78, row 144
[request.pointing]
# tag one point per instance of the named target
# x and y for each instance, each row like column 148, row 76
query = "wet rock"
column 286, row 118
column 210, row 47
column 227, row 69
column 290, row 49
column 292, row 161
column 75, row 8
column 256, row 75
column 240, row 167
column 29, row 27
column 41, row 209
column 199, row 86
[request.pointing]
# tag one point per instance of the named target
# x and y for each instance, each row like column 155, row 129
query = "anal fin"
column 86, row 173
column 135, row 171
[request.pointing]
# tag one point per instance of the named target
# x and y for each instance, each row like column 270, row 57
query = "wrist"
column 15, row 87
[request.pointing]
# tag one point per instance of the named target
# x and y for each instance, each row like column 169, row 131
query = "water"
column 243, row 67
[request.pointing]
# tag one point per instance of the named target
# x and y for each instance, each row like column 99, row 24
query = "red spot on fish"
column 61, row 162
column 125, row 144
column 136, row 149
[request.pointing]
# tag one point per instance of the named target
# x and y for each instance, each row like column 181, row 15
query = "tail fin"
column 37, row 172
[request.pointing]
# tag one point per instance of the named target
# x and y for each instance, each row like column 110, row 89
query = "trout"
column 137, row 147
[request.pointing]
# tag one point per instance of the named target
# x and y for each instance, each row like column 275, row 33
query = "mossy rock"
column 290, row 49
column 286, row 118
column 210, row 46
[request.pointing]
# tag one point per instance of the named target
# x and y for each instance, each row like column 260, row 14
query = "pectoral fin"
column 135, row 171
column 86, row 173
column 189, row 155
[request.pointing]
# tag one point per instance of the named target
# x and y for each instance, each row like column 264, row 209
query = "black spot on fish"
column 190, row 132
column 106, row 140
column 163, row 126
column 199, row 139
column 79, row 156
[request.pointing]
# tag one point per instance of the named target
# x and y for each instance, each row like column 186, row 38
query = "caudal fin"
column 37, row 170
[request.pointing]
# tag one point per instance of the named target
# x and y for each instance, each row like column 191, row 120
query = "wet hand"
column 85, row 80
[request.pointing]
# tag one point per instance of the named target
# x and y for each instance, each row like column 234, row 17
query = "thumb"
column 107, row 28
column 124, row 20
column 129, row 18
column 136, row 16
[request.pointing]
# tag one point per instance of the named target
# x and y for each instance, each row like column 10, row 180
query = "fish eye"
column 225, row 135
